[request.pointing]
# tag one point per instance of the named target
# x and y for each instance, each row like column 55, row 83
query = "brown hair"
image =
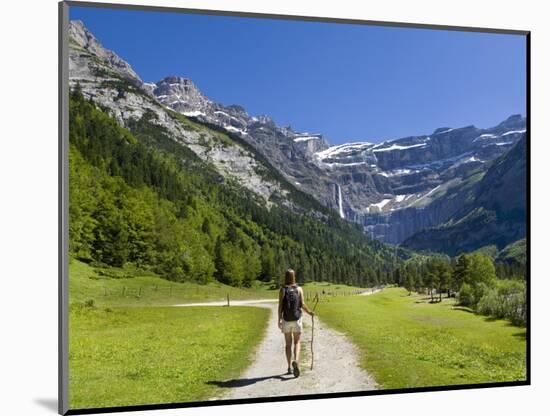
column 290, row 277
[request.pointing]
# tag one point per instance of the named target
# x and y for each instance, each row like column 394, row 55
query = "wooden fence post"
column 228, row 299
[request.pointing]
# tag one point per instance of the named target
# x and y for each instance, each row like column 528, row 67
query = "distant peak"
column 514, row 121
column 83, row 38
column 262, row 119
column 174, row 79
column 79, row 33
column 237, row 108
column 77, row 23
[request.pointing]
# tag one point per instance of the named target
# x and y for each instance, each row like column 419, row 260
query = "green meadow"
column 133, row 355
column 129, row 347
column 406, row 341
column 126, row 348
column 124, row 286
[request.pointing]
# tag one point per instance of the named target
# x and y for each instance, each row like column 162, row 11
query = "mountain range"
column 453, row 190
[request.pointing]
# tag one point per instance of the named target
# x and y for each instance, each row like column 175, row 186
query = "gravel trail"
column 336, row 367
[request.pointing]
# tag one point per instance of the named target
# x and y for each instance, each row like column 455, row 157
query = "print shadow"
column 49, row 404
column 242, row 382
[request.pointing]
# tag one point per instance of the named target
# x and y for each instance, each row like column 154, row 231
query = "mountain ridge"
column 391, row 189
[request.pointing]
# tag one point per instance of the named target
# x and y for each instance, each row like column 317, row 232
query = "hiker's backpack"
column 292, row 303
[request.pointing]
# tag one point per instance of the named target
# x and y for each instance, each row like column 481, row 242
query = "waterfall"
column 340, row 208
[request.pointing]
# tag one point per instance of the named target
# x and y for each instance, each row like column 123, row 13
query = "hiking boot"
column 289, row 370
column 295, row 369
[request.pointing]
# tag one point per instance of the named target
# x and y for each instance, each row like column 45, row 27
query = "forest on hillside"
column 139, row 198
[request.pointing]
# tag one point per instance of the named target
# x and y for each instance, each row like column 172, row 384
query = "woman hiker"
column 291, row 303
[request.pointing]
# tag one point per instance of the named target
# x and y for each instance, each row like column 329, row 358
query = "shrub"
column 512, row 296
column 505, row 301
column 480, row 290
column 489, row 304
column 466, row 295
column 517, row 310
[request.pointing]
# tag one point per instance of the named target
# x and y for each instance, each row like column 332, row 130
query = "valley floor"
column 126, row 350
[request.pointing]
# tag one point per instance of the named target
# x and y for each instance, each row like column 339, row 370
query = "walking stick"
column 313, row 328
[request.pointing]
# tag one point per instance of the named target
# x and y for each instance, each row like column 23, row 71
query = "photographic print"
column 272, row 208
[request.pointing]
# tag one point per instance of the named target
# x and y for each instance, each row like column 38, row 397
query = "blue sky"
column 349, row 82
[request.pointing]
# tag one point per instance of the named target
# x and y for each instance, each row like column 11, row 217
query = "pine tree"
column 268, row 263
column 205, row 228
column 460, row 271
column 218, row 260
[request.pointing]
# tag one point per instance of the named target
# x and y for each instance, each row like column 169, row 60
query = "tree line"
column 472, row 279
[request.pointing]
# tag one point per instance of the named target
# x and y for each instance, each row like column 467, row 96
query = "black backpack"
column 292, row 304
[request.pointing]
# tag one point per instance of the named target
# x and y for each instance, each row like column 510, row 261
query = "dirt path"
column 370, row 292
column 336, row 367
column 254, row 302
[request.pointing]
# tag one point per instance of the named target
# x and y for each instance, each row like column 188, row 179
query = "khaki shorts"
column 292, row 326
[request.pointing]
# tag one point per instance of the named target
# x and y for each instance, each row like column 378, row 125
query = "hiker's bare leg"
column 297, row 347
column 288, row 348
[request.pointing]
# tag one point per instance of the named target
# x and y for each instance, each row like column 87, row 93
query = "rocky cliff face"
column 493, row 213
column 289, row 151
column 393, row 189
column 386, row 187
column 106, row 62
column 181, row 95
column 397, row 188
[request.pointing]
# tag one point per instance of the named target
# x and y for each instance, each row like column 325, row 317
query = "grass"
column 407, row 342
column 127, row 287
column 132, row 356
column 333, row 288
column 146, row 288
column 192, row 125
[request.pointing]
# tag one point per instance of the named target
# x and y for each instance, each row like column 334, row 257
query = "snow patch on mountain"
column 484, row 137
column 442, row 131
column 399, row 147
column 514, row 132
column 345, row 149
column 380, row 204
column 195, row 113
column 298, row 139
column 234, row 130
